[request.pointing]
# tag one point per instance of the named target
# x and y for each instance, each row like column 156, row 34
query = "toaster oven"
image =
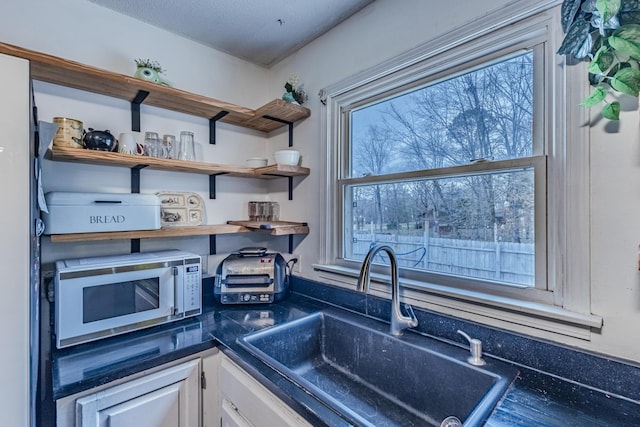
column 251, row 276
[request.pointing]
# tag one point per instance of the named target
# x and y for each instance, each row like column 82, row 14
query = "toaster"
column 251, row 276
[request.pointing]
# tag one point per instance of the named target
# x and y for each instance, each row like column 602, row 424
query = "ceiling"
column 260, row 31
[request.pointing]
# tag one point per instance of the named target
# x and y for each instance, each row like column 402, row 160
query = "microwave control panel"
column 192, row 287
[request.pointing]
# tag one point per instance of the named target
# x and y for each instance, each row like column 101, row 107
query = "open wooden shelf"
column 73, row 74
column 279, row 228
column 80, row 155
column 274, row 228
column 267, row 118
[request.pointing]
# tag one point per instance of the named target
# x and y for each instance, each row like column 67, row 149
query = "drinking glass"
column 187, row 148
column 152, row 145
column 170, row 146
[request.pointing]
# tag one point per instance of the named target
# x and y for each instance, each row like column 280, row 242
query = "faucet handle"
column 475, row 346
column 413, row 320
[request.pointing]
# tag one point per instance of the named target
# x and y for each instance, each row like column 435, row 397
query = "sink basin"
column 353, row 365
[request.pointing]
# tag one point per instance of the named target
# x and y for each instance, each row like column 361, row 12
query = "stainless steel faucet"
column 399, row 322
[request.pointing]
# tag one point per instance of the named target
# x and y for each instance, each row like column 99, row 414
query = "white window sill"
column 508, row 313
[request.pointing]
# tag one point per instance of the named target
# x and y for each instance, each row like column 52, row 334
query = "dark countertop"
column 536, row 397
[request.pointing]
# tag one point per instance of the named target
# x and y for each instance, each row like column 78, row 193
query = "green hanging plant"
column 606, row 33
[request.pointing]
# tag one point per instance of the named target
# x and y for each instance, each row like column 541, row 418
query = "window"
column 457, row 159
column 445, row 174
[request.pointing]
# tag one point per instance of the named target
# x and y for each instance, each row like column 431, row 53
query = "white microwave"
column 100, row 297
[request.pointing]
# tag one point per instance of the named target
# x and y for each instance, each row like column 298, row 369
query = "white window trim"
column 568, row 265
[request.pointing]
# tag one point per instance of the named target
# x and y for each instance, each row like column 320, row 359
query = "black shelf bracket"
column 212, row 125
column 212, row 244
column 212, row 184
column 286, row 122
column 290, row 243
column 290, row 181
column 135, row 178
column 135, row 189
column 135, row 110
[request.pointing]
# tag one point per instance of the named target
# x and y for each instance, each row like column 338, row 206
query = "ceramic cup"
column 69, row 133
column 127, row 144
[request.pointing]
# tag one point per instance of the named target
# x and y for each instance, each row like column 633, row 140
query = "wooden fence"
column 505, row 262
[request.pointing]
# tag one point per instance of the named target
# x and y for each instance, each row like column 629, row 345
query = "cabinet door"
column 255, row 403
column 210, row 391
column 169, row 398
column 160, row 408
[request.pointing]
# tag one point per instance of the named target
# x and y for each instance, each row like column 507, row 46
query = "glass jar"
column 186, row 147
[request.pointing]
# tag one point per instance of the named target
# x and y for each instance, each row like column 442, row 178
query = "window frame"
column 568, row 299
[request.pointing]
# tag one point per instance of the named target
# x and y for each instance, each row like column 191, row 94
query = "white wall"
column 387, row 28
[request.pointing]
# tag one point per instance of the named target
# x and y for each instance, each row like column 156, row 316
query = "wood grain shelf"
column 274, row 228
column 73, row 74
column 279, row 228
column 273, row 171
column 80, row 155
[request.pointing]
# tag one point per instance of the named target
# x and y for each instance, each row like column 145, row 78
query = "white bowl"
column 287, row 157
column 256, row 162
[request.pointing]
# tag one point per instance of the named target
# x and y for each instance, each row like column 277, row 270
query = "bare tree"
column 374, row 153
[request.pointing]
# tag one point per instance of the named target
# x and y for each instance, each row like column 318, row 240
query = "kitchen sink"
column 355, row 367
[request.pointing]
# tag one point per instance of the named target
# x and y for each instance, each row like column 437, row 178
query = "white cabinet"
column 169, row 396
column 246, row 403
column 204, row 390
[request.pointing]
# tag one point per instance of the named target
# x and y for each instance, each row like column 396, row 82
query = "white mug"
column 127, row 144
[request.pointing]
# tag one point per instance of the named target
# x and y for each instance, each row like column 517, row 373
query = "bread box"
column 100, row 212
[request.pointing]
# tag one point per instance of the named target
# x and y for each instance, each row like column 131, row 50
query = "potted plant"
column 605, row 33
column 295, row 93
column 150, row 71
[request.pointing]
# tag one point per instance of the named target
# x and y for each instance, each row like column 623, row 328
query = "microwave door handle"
column 175, row 308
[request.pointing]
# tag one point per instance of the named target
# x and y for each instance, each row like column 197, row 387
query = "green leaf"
column 602, row 61
column 607, row 8
column 627, row 80
column 288, row 87
column 578, row 41
column 629, row 32
column 569, row 10
column 596, row 97
column 612, row 111
column 626, row 39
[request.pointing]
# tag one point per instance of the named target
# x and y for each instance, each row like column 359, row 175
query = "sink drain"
column 451, row 422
